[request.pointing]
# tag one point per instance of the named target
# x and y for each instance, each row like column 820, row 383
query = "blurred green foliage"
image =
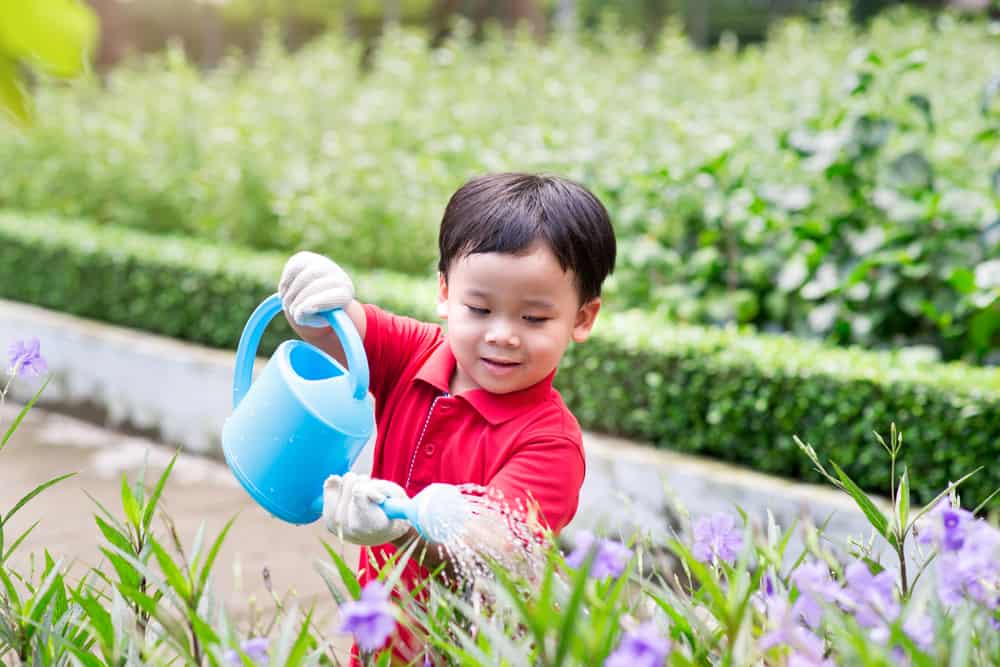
column 719, row 392
column 53, row 36
column 828, row 182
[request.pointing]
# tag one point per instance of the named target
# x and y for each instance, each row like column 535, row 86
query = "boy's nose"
column 502, row 335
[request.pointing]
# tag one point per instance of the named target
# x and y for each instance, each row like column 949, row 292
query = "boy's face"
column 510, row 318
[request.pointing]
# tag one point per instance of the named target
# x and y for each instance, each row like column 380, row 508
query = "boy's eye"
column 536, row 320
column 478, row 311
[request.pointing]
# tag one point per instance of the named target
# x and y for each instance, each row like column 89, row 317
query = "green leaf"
column 707, row 580
column 679, row 622
column 14, row 97
column 903, row 503
column 10, row 588
column 171, row 571
column 346, row 573
column 37, row 606
column 154, row 499
column 210, row 559
column 986, row 501
column 34, row 399
column 127, row 574
column 31, row 494
column 302, row 643
column 202, row 629
column 870, row 509
column 86, row 657
column 899, row 638
column 523, row 606
column 963, row 280
column 176, row 634
column 99, row 619
column 130, row 505
column 113, row 535
column 57, row 35
column 572, row 610
column 17, row 542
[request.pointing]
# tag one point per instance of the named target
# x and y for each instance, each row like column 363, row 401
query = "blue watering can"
column 305, row 418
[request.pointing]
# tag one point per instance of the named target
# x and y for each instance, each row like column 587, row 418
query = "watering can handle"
column 357, row 362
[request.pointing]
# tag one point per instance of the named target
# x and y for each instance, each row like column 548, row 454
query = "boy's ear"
column 585, row 318
column 442, row 307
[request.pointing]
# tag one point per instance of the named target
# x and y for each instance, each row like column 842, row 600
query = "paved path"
column 200, row 490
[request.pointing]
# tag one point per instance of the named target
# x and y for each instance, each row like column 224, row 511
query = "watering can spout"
column 439, row 512
column 306, row 417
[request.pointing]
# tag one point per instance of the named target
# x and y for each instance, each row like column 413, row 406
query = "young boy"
column 522, row 261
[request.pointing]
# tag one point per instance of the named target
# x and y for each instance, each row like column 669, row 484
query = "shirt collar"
column 494, row 408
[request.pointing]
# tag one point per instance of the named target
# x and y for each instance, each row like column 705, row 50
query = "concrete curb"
column 180, row 393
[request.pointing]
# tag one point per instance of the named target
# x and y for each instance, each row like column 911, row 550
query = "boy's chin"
column 502, row 385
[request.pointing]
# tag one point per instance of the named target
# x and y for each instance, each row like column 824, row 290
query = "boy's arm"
column 545, row 476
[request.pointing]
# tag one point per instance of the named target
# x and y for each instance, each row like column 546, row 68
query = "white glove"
column 311, row 284
column 351, row 509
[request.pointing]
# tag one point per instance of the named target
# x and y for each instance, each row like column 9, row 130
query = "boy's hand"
column 312, row 284
column 351, row 510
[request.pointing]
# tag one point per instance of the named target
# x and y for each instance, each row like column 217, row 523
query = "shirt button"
column 429, row 449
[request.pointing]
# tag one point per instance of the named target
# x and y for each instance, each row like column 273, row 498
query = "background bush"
column 719, row 392
column 828, row 182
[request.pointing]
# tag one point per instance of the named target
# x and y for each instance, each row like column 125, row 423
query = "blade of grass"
column 17, row 542
column 346, row 573
column 154, row 499
column 31, row 494
column 206, row 568
column 24, row 411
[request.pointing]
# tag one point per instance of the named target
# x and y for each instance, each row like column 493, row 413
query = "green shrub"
column 719, row 392
column 830, row 182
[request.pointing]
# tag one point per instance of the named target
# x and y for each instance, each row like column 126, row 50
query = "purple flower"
column 643, row 647
column 762, row 597
column 920, row 628
column 974, row 570
column 610, row 558
column 948, row 526
column 968, row 563
column 815, row 586
column 786, row 629
column 25, row 358
column 370, row 618
column 717, row 536
column 871, row 598
column 255, row 648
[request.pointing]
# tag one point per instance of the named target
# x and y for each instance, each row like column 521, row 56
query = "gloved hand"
column 311, row 284
column 350, row 509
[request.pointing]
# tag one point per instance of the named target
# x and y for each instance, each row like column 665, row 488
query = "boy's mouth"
column 499, row 365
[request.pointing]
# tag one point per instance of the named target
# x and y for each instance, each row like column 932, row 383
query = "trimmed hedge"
column 725, row 393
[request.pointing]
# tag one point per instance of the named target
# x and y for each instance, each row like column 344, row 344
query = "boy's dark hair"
column 509, row 212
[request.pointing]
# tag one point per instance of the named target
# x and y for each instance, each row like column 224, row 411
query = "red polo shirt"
column 527, row 444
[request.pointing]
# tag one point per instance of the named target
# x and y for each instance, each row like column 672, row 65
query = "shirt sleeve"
column 545, row 473
column 392, row 342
